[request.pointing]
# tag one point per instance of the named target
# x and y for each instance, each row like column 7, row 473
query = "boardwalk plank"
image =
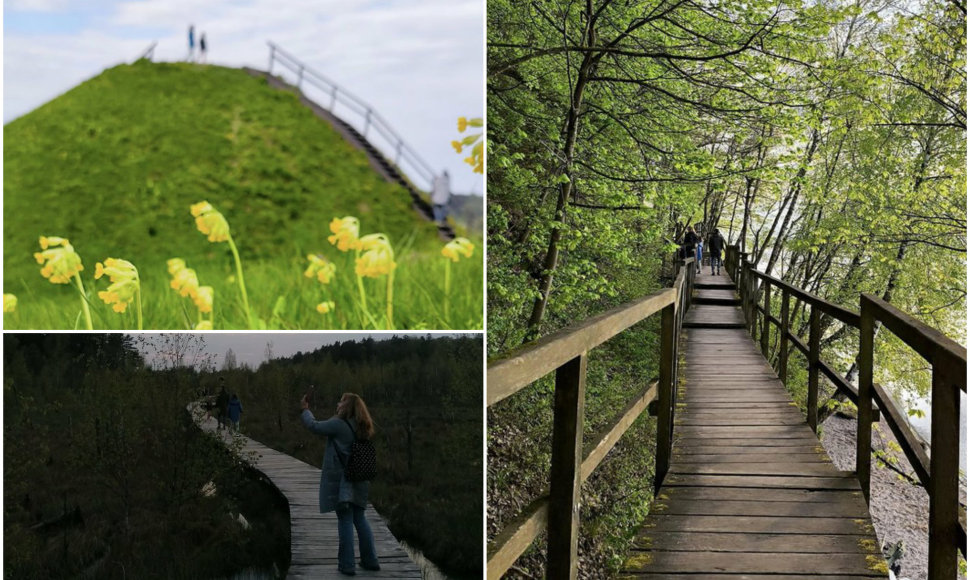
column 313, row 536
column 750, row 493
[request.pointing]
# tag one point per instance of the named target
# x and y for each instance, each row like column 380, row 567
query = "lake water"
column 922, row 425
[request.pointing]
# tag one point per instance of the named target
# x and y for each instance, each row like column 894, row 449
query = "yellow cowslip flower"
column 62, row 262
column 203, row 298
column 210, row 222
column 378, row 257
column 186, row 282
column 9, row 302
column 204, row 325
column 345, row 230
column 457, row 146
column 175, row 265
column 462, row 124
column 124, row 282
column 458, row 246
column 325, row 307
column 321, row 268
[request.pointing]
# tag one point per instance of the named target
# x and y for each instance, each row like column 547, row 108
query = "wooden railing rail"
column 565, row 352
column 389, row 142
column 938, row 474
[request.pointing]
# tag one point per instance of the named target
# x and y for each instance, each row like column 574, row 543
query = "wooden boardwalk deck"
column 750, row 492
column 313, row 536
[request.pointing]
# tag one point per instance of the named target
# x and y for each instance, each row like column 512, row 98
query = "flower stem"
column 390, row 300
column 84, row 301
column 447, row 287
column 363, row 295
column 242, row 282
column 138, row 303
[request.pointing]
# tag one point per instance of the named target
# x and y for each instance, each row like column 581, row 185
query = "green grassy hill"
column 115, row 163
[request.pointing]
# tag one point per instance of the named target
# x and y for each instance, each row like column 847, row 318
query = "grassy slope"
column 115, row 163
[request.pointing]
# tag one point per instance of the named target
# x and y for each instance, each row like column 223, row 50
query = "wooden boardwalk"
column 750, row 492
column 313, row 536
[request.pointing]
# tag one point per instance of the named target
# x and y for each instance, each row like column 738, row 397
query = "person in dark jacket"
column 690, row 242
column 715, row 245
column 235, row 411
column 222, row 404
column 347, row 498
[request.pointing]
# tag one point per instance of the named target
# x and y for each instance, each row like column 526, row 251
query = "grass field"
column 115, row 164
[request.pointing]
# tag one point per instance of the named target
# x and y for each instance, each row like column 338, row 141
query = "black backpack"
column 362, row 463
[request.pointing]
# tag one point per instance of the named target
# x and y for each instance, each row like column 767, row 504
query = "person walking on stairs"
column 440, row 194
column 690, row 242
column 337, row 494
column 700, row 253
column 715, row 245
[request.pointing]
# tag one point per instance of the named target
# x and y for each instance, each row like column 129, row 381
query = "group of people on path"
column 202, row 45
column 228, row 409
column 693, row 245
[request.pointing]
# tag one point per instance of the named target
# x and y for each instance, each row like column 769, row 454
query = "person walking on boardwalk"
column 690, row 242
column 347, row 498
column 191, row 43
column 700, row 253
column 202, row 48
column 715, row 245
column 235, row 411
column 222, row 404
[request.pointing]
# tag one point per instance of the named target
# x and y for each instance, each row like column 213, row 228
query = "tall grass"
column 281, row 297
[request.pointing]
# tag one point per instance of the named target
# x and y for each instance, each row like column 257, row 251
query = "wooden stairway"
column 750, row 492
column 378, row 161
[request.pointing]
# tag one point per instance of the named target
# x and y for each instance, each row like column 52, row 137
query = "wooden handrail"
column 939, row 473
column 565, row 352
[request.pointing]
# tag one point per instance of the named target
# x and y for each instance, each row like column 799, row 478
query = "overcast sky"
column 419, row 63
column 250, row 347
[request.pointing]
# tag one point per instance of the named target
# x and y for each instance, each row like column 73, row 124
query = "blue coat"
column 235, row 410
column 334, row 488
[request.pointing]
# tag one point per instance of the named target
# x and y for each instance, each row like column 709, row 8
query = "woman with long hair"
column 347, row 498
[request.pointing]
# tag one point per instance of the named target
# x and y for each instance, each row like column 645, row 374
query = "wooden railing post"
column 299, row 77
column 783, row 341
column 864, row 431
column 743, row 288
column 272, row 57
column 766, row 322
column 664, row 395
column 566, row 469
column 333, row 98
column 814, row 345
column 944, row 474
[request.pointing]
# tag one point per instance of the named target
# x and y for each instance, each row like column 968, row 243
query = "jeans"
column 700, row 256
column 350, row 516
column 715, row 261
column 440, row 213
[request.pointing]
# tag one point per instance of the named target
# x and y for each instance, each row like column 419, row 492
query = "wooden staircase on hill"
column 384, row 167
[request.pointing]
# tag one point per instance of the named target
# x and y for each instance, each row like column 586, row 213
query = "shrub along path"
column 313, row 536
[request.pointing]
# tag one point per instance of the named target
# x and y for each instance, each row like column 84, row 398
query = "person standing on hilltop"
column 202, row 48
column 440, row 194
column 191, row 43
